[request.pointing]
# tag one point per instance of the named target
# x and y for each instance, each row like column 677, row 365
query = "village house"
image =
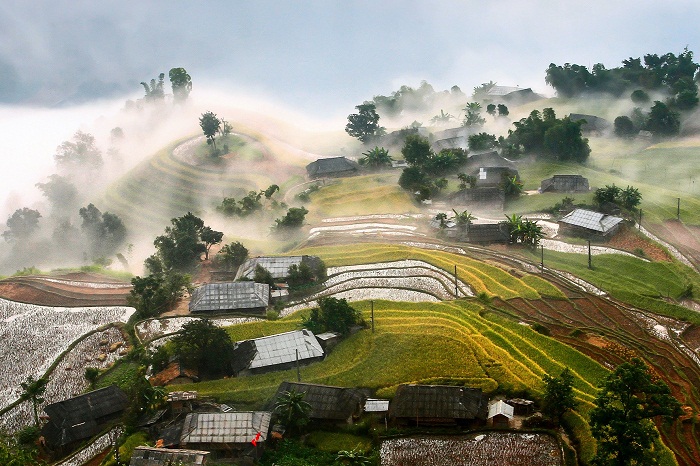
column 333, row 167
column 241, row 297
column 329, row 405
column 227, row 435
column 486, row 233
column 591, row 124
column 500, row 414
column 438, row 405
column 276, row 352
column 149, row 456
column 174, row 374
column 485, row 198
column 493, row 176
column 565, row 184
column 589, row 224
column 487, row 159
column 278, row 266
column 79, row 418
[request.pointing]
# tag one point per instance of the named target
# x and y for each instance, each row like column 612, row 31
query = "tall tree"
column 81, row 152
column 104, row 232
column 181, row 83
column 206, row 347
column 622, row 420
column 22, row 224
column 662, row 121
column 60, row 192
column 210, row 125
column 33, row 391
column 364, row 125
column 210, row 238
column 558, row 395
column 181, row 245
column 232, row 255
column 157, row 293
column 155, row 90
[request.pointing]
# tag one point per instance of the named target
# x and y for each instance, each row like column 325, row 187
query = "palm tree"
column 442, row 118
column 463, row 219
column 531, row 233
column 292, row 410
column 515, row 227
column 33, row 391
column 512, row 188
column 376, row 158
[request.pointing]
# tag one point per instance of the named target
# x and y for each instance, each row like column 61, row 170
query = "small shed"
column 181, row 402
column 333, row 405
column 276, row 352
column 149, row 456
column 438, row 405
column 243, row 297
column 227, row 434
column 328, row 340
column 589, row 224
column 333, row 167
column 487, row 233
column 565, row 184
column 521, row 406
column 500, row 414
column 81, row 417
column 376, row 406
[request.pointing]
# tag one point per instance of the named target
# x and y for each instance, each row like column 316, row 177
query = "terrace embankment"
column 612, row 333
column 66, row 290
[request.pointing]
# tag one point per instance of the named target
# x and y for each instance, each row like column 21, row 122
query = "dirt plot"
column 630, row 240
column 508, row 448
column 683, row 237
column 66, row 290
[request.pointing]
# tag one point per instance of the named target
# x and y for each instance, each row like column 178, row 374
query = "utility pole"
column 542, row 259
column 589, row 255
column 372, row 304
column 678, row 210
column 298, row 373
column 640, row 219
column 456, row 288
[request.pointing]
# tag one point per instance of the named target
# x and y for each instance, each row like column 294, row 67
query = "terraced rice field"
column 182, row 186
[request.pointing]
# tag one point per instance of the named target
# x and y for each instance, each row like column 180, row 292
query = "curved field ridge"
column 437, row 281
column 34, row 336
column 513, row 449
column 481, row 276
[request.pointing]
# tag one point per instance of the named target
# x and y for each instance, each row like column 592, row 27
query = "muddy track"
column 65, row 291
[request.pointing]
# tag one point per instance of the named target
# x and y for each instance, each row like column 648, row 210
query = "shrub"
column 539, row 328
column 272, row 315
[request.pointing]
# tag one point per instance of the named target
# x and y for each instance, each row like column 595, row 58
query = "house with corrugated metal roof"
column 241, row 297
column 278, row 266
column 500, row 414
column 276, row 352
column 333, row 167
column 438, row 405
column 329, row 404
column 589, row 224
column 81, row 417
column 149, row 456
column 226, row 434
column 565, row 184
